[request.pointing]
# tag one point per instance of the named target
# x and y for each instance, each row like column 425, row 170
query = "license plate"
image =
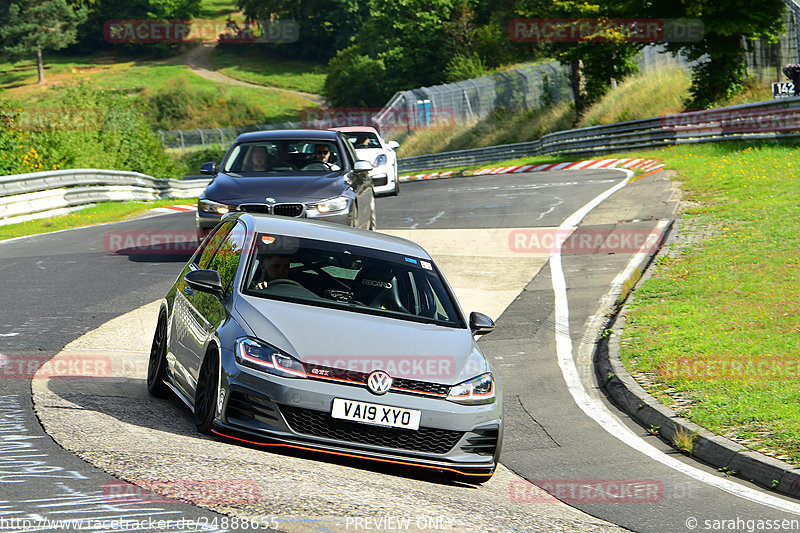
column 373, row 413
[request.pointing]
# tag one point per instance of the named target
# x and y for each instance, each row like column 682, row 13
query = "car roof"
column 356, row 128
column 268, row 135
column 330, row 232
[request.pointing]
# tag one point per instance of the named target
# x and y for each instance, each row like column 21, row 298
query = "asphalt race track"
column 486, row 232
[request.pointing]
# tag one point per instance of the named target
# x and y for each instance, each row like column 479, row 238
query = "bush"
column 463, row 67
column 112, row 134
column 356, row 80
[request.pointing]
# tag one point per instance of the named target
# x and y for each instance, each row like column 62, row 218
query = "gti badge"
column 379, row 382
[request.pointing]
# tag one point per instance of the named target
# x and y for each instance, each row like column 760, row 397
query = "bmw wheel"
column 205, row 397
column 157, row 366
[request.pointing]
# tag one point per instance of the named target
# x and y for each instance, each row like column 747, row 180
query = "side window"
column 226, row 260
column 203, row 258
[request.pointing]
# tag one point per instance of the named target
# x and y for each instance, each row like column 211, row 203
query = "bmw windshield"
column 267, row 156
column 348, row 277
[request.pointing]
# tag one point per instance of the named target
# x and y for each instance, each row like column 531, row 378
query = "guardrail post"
column 202, row 140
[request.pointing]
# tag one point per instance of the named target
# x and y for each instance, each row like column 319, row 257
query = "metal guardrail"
column 40, row 194
column 771, row 120
column 35, row 195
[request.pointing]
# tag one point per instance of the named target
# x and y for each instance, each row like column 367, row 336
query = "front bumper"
column 270, row 410
column 207, row 221
column 383, row 180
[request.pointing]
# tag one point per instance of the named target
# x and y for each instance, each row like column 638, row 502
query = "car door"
column 195, row 314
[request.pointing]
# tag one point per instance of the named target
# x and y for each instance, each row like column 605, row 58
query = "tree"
column 593, row 63
column 721, row 69
column 325, row 26
column 36, row 25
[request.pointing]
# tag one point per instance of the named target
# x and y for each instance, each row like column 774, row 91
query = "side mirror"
column 363, row 165
column 209, row 168
column 204, row 281
column 392, row 145
column 480, row 324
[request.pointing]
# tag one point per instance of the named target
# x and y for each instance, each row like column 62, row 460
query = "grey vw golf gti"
column 319, row 336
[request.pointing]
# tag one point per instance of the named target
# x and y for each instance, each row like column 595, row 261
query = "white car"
column 370, row 146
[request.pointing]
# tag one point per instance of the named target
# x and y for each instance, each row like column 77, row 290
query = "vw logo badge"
column 270, row 200
column 379, row 382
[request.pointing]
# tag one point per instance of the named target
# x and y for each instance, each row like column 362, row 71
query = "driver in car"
column 272, row 268
column 322, row 153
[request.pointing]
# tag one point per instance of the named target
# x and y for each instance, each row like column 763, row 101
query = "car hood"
column 255, row 189
column 363, row 342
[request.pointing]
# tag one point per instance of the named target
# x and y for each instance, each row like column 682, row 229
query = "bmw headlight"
column 380, row 161
column 214, row 208
column 332, row 205
column 476, row 391
column 262, row 356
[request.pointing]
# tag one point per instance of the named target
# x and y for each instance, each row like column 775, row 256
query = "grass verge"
column 248, row 64
column 98, row 214
column 719, row 322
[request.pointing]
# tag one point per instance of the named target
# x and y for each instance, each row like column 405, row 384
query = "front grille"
column 421, row 386
column 321, row 424
column 288, row 210
column 377, row 181
column 354, row 377
column 248, row 407
column 255, row 208
column 482, row 441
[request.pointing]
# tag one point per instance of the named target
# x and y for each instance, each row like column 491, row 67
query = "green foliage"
column 34, row 26
column 113, row 134
column 179, row 104
column 17, row 153
column 326, row 26
column 191, row 161
column 356, row 80
column 90, row 32
column 463, row 67
column 727, row 23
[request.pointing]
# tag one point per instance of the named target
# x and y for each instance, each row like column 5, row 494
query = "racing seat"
column 377, row 287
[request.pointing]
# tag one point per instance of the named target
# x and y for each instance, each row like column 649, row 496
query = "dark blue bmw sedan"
column 297, row 173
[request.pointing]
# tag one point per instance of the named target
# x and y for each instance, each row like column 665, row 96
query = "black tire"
column 157, row 365
column 205, row 396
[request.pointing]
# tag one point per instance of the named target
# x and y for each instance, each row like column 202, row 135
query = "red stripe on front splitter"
column 351, row 455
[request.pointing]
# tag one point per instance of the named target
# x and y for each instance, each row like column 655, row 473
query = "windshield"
column 259, row 157
column 363, row 139
column 348, row 277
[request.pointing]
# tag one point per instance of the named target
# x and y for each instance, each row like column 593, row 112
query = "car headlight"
column 214, row 208
column 380, row 161
column 262, row 356
column 332, row 204
column 476, row 391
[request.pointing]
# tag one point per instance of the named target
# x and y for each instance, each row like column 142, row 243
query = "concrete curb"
column 713, row 449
